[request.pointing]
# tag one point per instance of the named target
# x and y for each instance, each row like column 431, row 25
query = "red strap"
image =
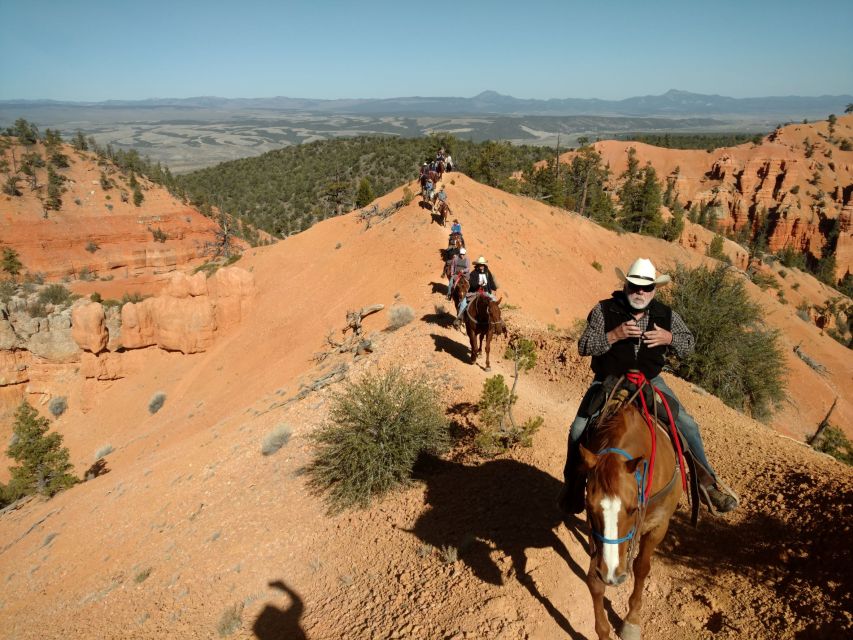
column 639, row 379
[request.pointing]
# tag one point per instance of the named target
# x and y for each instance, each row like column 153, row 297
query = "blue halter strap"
column 641, row 485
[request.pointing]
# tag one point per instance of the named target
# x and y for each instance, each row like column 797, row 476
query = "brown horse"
column 443, row 210
column 623, row 510
column 483, row 320
column 440, row 168
column 458, row 289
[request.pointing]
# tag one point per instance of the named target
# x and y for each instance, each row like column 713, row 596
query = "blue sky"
column 99, row 49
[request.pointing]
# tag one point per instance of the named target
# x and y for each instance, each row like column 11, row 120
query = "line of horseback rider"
column 464, row 280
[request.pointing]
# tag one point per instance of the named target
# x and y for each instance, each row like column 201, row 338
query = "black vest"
column 620, row 358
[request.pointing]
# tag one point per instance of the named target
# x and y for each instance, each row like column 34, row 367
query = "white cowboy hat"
column 481, row 260
column 642, row 272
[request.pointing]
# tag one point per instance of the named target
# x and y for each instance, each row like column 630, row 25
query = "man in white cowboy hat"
column 633, row 331
column 480, row 279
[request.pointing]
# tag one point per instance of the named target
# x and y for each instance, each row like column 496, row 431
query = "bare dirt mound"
column 193, row 532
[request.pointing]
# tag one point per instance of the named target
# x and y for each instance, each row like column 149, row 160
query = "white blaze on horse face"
column 610, row 507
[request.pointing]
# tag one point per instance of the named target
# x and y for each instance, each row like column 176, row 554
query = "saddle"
column 614, row 392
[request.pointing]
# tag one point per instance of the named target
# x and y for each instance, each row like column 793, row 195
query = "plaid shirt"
column 594, row 342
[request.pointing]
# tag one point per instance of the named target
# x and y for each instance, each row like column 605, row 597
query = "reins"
column 639, row 379
column 481, row 295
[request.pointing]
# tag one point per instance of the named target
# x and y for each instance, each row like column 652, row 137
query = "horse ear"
column 588, row 458
column 632, row 465
column 499, row 300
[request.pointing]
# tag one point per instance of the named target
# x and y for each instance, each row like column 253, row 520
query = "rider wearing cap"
column 458, row 266
column 633, row 331
column 480, row 279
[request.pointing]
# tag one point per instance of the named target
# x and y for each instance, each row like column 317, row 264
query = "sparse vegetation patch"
column 275, row 439
column 156, row 402
column 377, row 429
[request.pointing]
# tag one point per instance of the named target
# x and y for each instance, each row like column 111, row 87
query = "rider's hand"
column 657, row 337
column 625, row 330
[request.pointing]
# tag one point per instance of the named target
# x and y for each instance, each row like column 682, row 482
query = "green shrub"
column 96, row 297
column 156, row 402
column 55, row 294
column 57, row 406
column 737, row 357
column 231, row 620
column 765, row 280
column 597, row 266
column 408, row 196
column 275, row 440
column 92, row 246
column 37, row 309
column 834, row 442
column 716, row 251
column 400, row 315
column 7, row 289
column 497, row 430
column 43, row 462
column 376, row 430
column 104, row 451
column 159, row 235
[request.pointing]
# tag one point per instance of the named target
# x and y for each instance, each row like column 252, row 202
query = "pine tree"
column 44, row 465
column 364, row 196
column 673, row 229
column 10, row 263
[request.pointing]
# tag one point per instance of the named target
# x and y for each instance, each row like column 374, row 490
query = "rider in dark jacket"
column 633, row 331
column 479, row 278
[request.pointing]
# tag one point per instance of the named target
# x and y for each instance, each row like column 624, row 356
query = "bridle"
column 642, row 479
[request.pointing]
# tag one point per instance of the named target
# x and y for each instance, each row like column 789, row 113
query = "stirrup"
column 717, row 501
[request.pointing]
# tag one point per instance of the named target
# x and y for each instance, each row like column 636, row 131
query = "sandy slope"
column 192, row 519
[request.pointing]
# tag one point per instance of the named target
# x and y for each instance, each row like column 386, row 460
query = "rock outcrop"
column 187, row 314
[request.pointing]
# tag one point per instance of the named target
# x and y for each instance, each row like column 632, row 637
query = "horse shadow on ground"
column 281, row 624
column 783, row 554
column 439, row 287
column 458, row 350
column 423, row 204
column 507, row 506
column 436, row 218
column 439, row 318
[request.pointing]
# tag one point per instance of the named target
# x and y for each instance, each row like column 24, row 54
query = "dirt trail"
column 193, row 527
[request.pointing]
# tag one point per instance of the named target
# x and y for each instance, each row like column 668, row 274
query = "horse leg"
column 472, row 336
column 488, row 348
column 630, row 629
column 596, row 590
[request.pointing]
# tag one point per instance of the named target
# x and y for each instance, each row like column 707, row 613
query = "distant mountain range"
column 673, row 103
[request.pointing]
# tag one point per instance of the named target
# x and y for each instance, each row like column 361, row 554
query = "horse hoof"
column 630, row 631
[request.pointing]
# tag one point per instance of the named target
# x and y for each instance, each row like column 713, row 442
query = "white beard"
column 638, row 308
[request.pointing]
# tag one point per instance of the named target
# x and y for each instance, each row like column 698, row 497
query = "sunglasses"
column 636, row 288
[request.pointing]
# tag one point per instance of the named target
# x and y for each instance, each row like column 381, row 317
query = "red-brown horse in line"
column 458, row 290
column 483, row 320
column 622, row 512
column 443, row 210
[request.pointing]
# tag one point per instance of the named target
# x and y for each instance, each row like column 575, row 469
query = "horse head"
column 612, row 502
column 495, row 316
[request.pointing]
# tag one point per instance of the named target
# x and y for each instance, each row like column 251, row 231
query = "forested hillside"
column 288, row 190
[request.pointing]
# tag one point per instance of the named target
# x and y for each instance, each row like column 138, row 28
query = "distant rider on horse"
column 633, row 331
column 456, row 227
column 441, row 196
column 480, row 280
column 457, row 267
